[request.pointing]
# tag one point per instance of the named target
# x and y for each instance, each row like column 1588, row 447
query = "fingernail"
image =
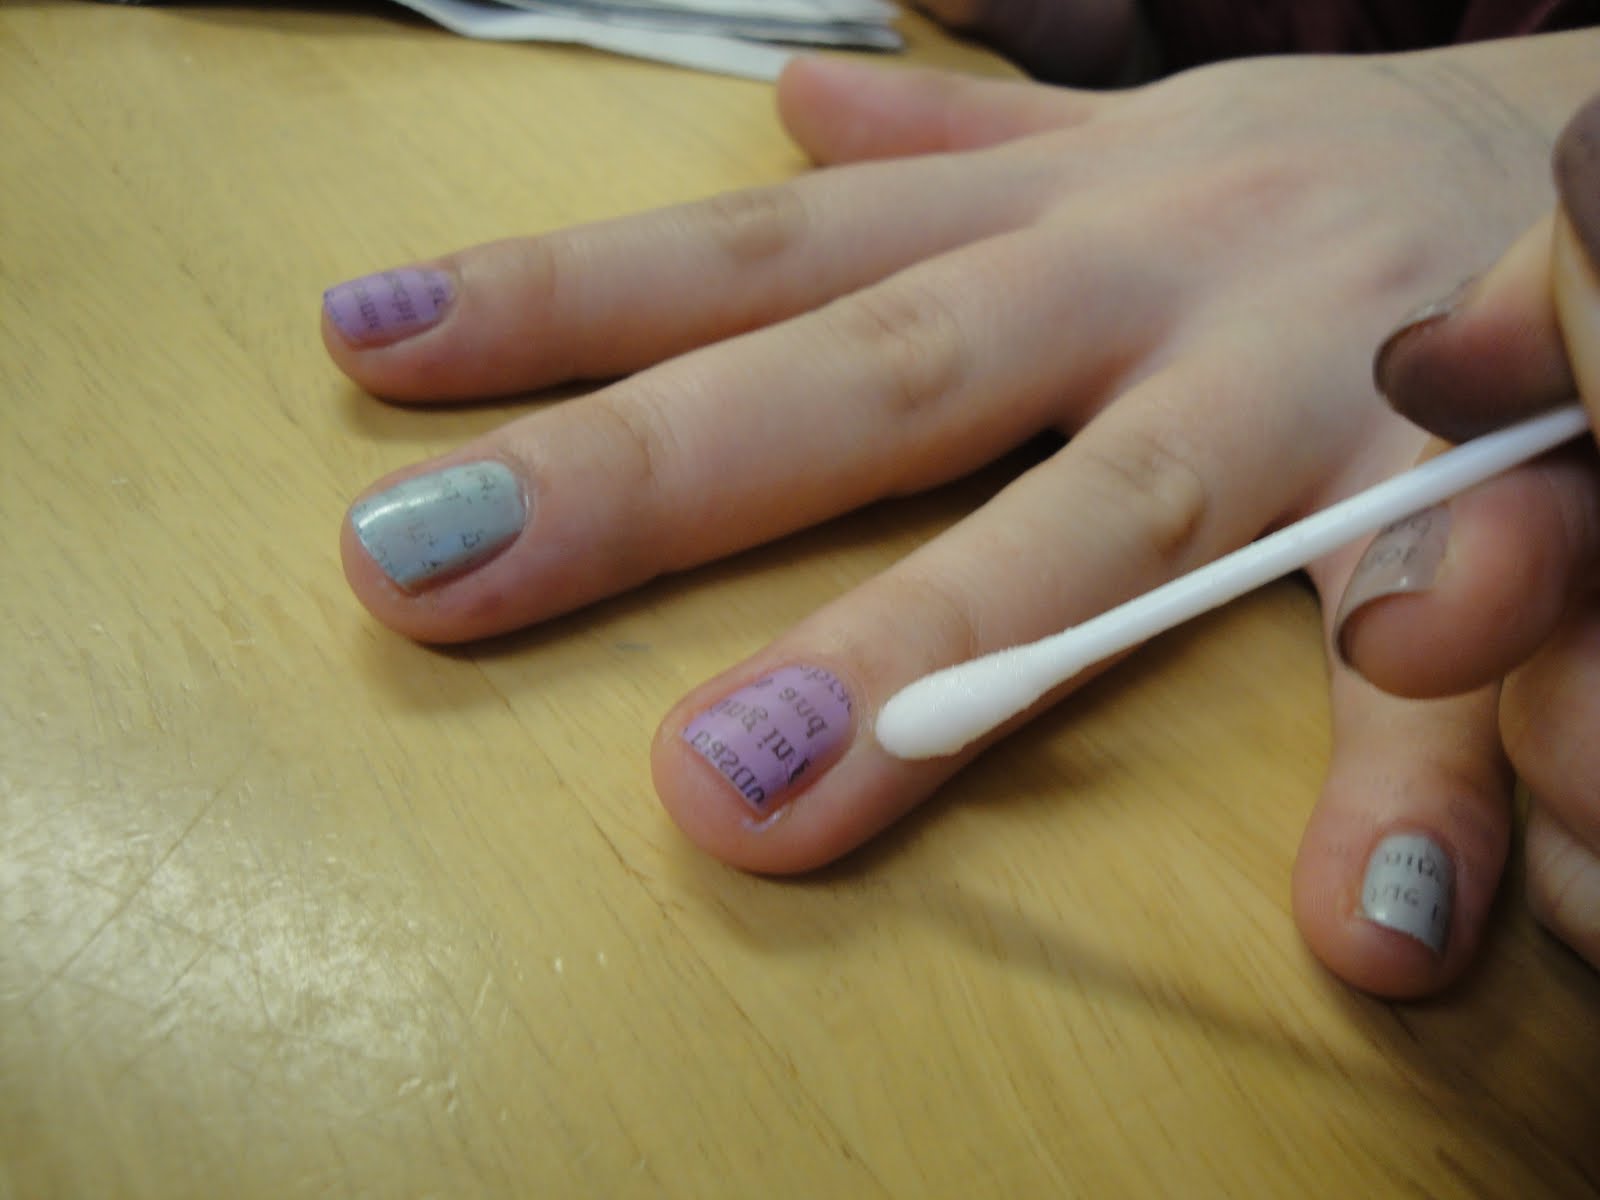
column 378, row 310
column 1577, row 172
column 765, row 737
column 1402, row 559
column 1410, row 887
column 1429, row 316
column 441, row 524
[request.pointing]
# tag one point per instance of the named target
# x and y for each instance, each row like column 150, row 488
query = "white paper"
column 754, row 26
column 745, row 38
column 804, row 11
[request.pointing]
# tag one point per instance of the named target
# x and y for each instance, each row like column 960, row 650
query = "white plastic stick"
column 944, row 711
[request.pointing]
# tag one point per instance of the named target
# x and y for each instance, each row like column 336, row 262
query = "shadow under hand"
column 441, row 425
column 1513, row 1044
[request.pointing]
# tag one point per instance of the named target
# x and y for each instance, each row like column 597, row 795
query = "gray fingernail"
column 1403, row 558
column 1410, row 887
column 441, row 524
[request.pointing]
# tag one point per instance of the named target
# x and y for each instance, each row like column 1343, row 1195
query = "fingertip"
column 1389, row 909
column 1365, row 956
column 715, row 819
column 1377, row 642
column 391, row 332
column 825, row 104
column 1485, row 356
column 798, row 85
column 753, row 765
column 841, row 111
column 333, row 339
column 1453, row 598
column 805, row 72
column 391, row 605
column 1402, row 856
column 430, row 550
column 772, row 767
column 1377, row 630
column 420, row 616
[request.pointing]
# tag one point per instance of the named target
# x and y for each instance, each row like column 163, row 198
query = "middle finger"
column 1153, row 486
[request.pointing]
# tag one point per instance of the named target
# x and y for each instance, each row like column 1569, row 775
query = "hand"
column 1503, row 579
column 1188, row 279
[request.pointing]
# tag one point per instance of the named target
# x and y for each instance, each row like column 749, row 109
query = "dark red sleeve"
column 1507, row 18
column 1197, row 31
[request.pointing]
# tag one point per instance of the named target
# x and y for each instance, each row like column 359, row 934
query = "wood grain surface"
column 290, row 906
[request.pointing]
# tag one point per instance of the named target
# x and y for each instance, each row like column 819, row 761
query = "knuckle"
column 1154, row 480
column 548, row 280
column 757, row 224
column 912, row 339
column 944, row 616
column 642, row 496
column 637, row 450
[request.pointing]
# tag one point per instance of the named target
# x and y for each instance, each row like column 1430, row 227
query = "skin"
column 1189, row 277
column 1515, row 593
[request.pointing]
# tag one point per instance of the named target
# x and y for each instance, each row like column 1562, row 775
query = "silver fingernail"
column 441, row 524
column 1410, row 887
column 1404, row 557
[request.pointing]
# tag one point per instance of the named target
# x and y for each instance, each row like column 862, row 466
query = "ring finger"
column 773, row 766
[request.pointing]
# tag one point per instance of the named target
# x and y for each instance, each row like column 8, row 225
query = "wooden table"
column 292, row 907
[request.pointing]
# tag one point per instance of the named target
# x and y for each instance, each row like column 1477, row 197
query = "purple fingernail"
column 377, row 310
column 768, row 734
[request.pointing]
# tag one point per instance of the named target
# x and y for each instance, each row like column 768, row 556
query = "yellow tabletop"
column 290, row 906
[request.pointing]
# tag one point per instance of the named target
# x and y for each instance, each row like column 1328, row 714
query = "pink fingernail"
column 769, row 734
column 379, row 310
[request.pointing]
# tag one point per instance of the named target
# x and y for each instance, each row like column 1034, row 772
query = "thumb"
column 1456, row 597
column 1524, row 337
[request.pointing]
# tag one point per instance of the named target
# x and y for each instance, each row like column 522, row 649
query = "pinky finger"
column 1564, row 884
column 1548, row 710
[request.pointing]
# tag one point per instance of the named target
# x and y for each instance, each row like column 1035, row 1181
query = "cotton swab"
column 942, row 712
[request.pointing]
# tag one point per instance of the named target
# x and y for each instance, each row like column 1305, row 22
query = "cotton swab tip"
column 942, row 713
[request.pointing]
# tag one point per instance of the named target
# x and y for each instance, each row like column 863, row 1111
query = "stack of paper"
column 734, row 37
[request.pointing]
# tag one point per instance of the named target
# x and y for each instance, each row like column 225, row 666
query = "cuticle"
column 765, row 822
